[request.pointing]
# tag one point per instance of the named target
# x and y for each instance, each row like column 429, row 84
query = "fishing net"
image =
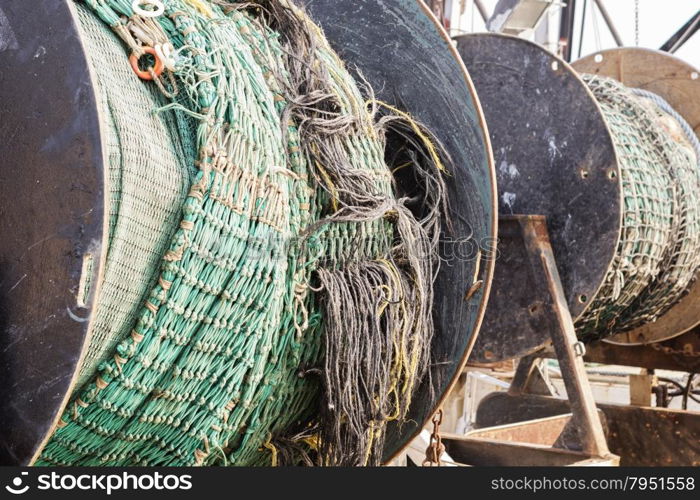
column 150, row 160
column 659, row 250
column 279, row 306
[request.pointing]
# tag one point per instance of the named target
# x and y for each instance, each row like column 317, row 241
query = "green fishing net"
column 267, row 294
column 150, row 161
column 659, row 251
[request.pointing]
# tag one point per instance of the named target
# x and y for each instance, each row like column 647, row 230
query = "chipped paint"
column 509, row 199
column 509, row 170
column 8, row 40
column 553, row 149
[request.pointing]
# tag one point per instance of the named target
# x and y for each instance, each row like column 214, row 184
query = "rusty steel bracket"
column 566, row 345
column 641, row 437
column 680, row 354
column 554, row 318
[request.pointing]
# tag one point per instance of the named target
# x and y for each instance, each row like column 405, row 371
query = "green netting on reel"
column 659, row 251
column 150, row 160
column 289, row 316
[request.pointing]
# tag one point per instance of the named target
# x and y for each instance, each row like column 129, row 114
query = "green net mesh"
column 150, row 161
column 659, row 251
column 279, row 293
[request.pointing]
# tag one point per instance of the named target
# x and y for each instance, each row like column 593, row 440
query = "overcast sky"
column 658, row 20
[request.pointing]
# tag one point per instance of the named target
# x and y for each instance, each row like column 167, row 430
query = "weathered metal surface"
column 554, row 157
column 529, row 241
column 678, row 354
column 515, row 16
column 679, row 84
column 544, row 431
column 51, row 214
column 639, row 436
column 516, row 322
column 585, row 418
column 487, row 452
column 559, row 431
column 410, row 63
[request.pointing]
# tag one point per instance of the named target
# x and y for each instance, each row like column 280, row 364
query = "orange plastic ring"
column 146, row 75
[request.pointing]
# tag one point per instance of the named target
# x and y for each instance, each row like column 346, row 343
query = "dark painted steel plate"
column 51, row 215
column 553, row 152
column 554, row 157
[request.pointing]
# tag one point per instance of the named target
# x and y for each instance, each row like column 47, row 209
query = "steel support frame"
column 585, row 422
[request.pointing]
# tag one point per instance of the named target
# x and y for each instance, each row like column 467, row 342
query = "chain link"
column 433, row 455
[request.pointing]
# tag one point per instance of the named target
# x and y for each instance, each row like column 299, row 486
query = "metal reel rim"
column 489, row 268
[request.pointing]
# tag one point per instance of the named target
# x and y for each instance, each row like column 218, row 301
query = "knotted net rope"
column 658, row 254
column 290, row 318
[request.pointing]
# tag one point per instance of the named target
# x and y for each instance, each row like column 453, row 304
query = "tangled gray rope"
column 667, row 108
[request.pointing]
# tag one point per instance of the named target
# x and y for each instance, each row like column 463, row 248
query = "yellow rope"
column 334, row 191
column 312, row 442
column 201, row 7
column 400, row 361
column 273, row 450
column 402, row 166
